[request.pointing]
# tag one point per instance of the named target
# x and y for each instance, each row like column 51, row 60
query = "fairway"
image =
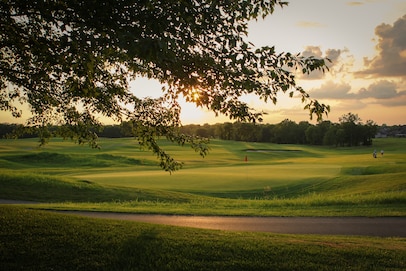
column 232, row 177
column 211, row 179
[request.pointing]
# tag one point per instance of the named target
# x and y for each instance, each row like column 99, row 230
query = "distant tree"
column 340, row 137
column 71, row 61
column 355, row 132
column 285, row 132
column 243, row 131
column 350, row 123
column 203, row 132
column 226, row 131
column 126, row 128
column 301, row 132
column 313, row 135
column 331, row 135
column 266, row 133
column 111, row 131
column 190, row 129
column 369, row 131
column 211, row 130
column 6, row 129
column 350, row 118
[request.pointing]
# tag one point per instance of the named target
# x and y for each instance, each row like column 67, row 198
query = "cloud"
column 380, row 90
column 332, row 54
column 313, row 51
column 385, row 93
column 391, row 47
column 332, row 90
column 317, row 53
column 400, row 100
column 348, row 106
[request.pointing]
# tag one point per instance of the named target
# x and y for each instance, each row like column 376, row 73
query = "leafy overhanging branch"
column 71, row 62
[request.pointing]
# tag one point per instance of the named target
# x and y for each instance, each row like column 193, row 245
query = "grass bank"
column 37, row 240
column 61, row 193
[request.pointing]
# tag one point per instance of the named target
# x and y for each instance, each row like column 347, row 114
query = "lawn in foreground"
column 38, row 240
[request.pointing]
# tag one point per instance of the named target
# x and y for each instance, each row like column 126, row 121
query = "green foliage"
column 290, row 132
column 71, row 62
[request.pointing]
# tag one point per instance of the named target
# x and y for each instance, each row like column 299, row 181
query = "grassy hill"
column 236, row 178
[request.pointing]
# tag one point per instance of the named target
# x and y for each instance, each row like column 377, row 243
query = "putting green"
column 211, row 179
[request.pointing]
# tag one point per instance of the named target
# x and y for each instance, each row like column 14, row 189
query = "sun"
column 194, row 94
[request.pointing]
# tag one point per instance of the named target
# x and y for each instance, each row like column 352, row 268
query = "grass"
column 277, row 180
column 37, row 240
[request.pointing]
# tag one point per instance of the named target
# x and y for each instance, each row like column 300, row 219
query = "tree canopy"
column 71, row 62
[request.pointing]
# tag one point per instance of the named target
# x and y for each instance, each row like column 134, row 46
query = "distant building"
column 380, row 135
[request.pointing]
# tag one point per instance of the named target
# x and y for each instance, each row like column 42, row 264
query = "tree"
column 285, row 132
column 351, row 124
column 301, row 132
column 355, row 132
column 71, row 62
column 313, row 135
column 369, row 131
column 330, row 136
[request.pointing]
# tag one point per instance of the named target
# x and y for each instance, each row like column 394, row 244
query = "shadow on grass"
column 143, row 251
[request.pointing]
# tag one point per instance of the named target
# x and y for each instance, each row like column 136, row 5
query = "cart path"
column 366, row 226
column 377, row 226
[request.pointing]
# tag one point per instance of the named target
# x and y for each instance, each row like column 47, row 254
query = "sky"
column 366, row 42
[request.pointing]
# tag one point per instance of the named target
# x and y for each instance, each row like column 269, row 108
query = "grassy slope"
column 35, row 240
column 279, row 180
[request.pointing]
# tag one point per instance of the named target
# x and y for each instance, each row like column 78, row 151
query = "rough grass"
column 46, row 188
column 35, row 240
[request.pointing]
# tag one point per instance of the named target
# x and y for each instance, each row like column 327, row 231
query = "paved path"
column 379, row 226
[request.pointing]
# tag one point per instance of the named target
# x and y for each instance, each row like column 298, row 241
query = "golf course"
column 234, row 179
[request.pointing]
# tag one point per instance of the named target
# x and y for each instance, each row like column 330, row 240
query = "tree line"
column 349, row 131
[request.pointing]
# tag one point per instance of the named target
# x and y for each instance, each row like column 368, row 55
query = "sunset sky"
column 366, row 41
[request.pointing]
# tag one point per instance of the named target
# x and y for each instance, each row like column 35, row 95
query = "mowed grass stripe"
column 233, row 178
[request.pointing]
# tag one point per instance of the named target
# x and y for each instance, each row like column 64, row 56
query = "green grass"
column 37, row 240
column 277, row 180
column 280, row 180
